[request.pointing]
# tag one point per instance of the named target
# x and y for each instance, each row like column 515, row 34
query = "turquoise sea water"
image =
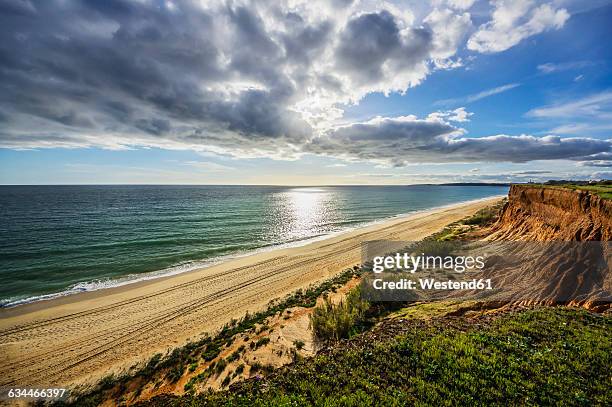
column 57, row 240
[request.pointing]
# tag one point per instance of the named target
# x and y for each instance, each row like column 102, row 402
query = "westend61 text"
column 432, row 284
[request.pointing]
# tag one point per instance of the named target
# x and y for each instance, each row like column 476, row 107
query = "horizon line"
column 275, row 185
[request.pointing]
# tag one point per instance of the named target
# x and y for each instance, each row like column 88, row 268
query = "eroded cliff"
column 553, row 214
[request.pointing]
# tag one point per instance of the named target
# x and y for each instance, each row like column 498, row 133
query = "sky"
column 309, row 92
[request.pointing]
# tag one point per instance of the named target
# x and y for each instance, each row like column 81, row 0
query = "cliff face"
column 553, row 214
column 557, row 272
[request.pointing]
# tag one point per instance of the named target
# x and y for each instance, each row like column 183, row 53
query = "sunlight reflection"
column 304, row 212
column 306, row 207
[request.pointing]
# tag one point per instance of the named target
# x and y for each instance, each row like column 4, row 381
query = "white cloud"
column 449, row 30
column 491, row 92
column 455, row 4
column 245, row 78
column 478, row 96
column 461, row 4
column 586, row 115
column 597, row 106
column 253, row 79
column 512, row 21
column 405, row 140
column 458, row 115
column 581, row 128
column 550, row 67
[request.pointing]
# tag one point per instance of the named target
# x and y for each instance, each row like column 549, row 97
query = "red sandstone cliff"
column 553, row 214
column 559, row 271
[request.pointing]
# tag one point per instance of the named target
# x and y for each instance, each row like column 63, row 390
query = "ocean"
column 59, row 240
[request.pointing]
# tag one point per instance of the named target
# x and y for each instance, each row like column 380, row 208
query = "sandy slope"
column 82, row 337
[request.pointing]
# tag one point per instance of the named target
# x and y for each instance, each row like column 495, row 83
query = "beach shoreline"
column 66, row 296
column 79, row 338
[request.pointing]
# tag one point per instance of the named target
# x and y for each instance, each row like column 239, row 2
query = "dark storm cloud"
column 307, row 42
column 141, row 68
column 369, row 41
column 244, row 78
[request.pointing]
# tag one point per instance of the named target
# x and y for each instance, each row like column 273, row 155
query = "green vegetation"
column 172, row 366
column 432, row 309
column 211, row 351
column 332, row 322
column 235, row 355
column 546, row 356
column 262, row 342
column 462, row 228
column 299, row 344
column 239, row 369
column 432, row 247
column 482, row 217
column 602, row 189
column 226, row 381
column 220, row 366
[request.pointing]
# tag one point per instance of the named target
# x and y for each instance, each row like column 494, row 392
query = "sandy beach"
column 80, row 338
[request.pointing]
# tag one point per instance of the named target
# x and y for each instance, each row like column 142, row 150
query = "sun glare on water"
column 304, row 212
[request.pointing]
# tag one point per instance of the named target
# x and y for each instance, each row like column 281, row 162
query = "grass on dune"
column 603, row 190
column 483, row 216
column 547, row 356
column 331, row 322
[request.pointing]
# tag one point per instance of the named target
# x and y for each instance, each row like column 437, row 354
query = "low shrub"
column 211, row 352
column 482, row 217
column 226, row 381
column 299, row 344
column 332, row 322
column 262, row 342
column 220, row 366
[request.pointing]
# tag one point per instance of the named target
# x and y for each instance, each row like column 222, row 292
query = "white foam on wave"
column 101, row 284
